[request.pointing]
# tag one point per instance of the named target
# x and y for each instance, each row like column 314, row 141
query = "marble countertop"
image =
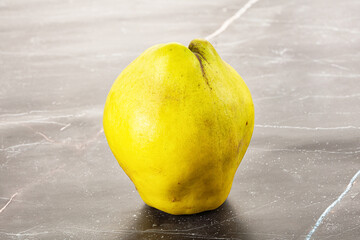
column 298, row 180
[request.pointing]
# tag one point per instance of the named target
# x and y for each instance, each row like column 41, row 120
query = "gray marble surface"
column 300, row 59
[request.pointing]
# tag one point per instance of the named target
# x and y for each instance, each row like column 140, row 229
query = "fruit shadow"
column 222, row 223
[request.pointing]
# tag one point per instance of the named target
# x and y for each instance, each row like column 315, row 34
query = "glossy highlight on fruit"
column 179, row 121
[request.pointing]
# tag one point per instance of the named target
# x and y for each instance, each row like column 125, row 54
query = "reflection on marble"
column 300, row 59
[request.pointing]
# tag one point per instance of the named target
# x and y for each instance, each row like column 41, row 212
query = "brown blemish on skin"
column 208, row 123
column 202, row 69
column 238, row 147
column 174, row 200
column 201, row 65
column 247, row 123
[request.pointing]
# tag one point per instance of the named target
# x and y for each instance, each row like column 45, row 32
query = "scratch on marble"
column 79, row 146
column 45, row 118
column 21, row 201
column 20, row 145
column 103, row 231
column 264, row 205
column 306, row 151
column 65, row 127
column 307, row 128
column 21, row 114
column 24, row 234
column 339, row 66
column 328, row 209
column 8, row 202
column 38, row 119
column 329, row 63
column 45, row 137
column 31, row 121
column 230, row 20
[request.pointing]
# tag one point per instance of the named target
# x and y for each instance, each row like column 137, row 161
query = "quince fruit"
column 179, row 121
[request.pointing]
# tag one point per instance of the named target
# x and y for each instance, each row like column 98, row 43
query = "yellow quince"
column 179, row 121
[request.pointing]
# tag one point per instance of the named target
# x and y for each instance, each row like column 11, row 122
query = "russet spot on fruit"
column 179, row 121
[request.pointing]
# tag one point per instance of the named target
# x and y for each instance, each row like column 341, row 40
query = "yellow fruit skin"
column 179, row 121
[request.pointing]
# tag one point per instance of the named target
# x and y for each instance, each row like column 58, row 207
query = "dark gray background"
column 58, row 60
